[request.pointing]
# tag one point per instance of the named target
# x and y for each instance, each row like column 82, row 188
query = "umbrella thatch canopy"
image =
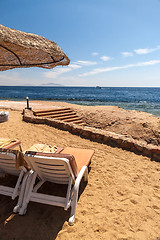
column 19, row 49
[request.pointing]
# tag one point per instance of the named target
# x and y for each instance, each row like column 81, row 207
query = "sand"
column 120, row 201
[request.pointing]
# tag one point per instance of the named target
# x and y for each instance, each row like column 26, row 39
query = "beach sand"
column 120, row 201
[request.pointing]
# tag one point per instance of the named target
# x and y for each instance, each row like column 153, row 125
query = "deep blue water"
column 143, row 99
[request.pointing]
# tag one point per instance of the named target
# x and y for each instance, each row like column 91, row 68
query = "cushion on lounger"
column 82, row 156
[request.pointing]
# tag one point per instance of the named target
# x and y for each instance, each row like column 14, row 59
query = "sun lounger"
column 4, row 145
column 67, row 167
column 8, row 157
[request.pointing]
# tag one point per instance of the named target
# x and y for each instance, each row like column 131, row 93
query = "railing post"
column 27, row 98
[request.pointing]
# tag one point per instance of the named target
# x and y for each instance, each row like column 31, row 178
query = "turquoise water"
column 142, row 99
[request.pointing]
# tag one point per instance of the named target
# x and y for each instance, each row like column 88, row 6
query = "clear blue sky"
column 109, row 42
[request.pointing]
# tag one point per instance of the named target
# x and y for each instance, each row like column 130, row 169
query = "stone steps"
column 51, row 111
column 55, row 115
column 62, row 114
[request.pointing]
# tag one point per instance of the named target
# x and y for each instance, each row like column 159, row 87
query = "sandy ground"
column 121, row 200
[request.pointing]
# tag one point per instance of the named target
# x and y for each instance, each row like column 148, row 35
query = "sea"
column 146, row 99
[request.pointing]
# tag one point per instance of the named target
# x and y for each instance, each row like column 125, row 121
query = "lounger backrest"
column 53, row 169
column 8, row 163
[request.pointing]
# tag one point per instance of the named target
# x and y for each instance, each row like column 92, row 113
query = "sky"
column 110, row 43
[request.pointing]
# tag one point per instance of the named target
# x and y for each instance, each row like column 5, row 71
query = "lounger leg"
column 21, row 195
column 68, row 197
column 15, row 192
column 29, row 187
column 75, row 195
column 38, row 185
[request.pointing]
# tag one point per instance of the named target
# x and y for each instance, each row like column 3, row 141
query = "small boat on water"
column 98, row 87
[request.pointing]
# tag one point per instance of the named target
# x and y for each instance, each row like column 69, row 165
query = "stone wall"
column 98, row 135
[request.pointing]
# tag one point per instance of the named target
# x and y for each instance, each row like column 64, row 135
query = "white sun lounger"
column 68, row 167
column 8, row 165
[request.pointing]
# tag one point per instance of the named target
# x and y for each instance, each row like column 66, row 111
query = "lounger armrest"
column 13, row 145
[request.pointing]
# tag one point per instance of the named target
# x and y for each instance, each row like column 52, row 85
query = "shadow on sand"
column 40, row 222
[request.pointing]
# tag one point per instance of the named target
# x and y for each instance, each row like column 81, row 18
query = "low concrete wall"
column 98, row 135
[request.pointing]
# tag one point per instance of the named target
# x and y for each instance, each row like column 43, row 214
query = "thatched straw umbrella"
column 22, row 50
